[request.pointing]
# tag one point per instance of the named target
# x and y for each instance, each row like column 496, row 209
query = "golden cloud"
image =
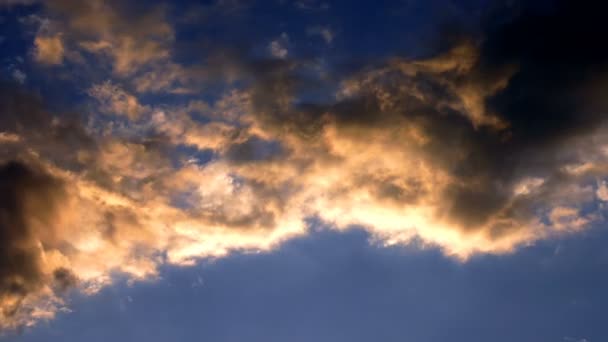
column 411, row 150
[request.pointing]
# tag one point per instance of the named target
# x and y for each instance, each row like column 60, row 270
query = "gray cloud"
column 31, row 199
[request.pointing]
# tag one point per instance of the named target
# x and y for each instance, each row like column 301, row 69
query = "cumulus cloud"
column 481, row 148
column 113, row 204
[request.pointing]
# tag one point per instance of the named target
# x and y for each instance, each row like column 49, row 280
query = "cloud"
column 169, row 77
column 114, row 100
column 130, row 35
column 324, row 32
column 100, row 182
column 482, row 147
column 30, row 206
column 602, row 191
column 48, row 50
column 278, row 47
column 439, row 148
column 19, row 76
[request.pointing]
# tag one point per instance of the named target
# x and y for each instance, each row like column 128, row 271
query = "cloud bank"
column 485, row 146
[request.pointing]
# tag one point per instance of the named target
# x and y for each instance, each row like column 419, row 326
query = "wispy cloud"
column 278, row 47
column 324, row 32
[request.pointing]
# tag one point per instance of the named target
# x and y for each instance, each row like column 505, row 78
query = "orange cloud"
column 49, row 50
column 406, row 151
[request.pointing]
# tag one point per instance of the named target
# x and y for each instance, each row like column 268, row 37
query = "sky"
column 306, row 170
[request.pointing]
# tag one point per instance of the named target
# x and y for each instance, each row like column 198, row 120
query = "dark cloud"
column 552, row 99
column 64, row 279
column 33, row 198
column 254, row 149
column 553, row 65
column 30, row 200
column 25, row 115
column 559, row 58
column 21, row 111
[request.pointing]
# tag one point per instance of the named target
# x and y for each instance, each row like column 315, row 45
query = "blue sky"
column 306, row 170
column 337, row 286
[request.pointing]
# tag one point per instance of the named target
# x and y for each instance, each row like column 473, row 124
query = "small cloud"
column 278, row 47
column 567, row 218
column 19, row 76
column 48, row 50
column 6, row 137
column 602, row 191
column 528, row 185
column 199, row 282
column 277, row 50
column 324, row 32
column 114, row 100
